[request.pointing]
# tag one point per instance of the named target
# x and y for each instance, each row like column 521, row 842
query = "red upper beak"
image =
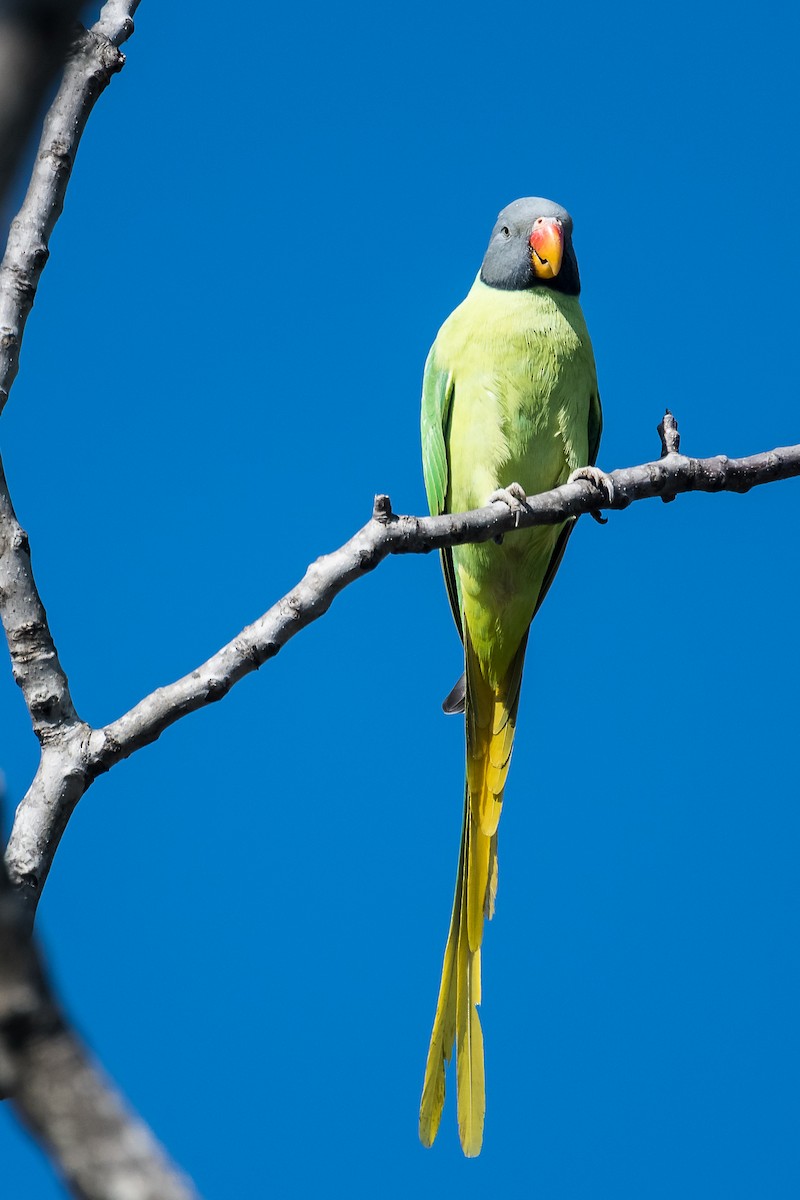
column 547, row 247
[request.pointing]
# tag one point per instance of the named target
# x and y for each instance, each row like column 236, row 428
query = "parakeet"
column 509, row 406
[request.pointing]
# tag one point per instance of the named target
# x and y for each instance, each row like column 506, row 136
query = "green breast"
column 523, row 382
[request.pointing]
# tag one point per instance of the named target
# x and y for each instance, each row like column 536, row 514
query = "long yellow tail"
column 491, row 714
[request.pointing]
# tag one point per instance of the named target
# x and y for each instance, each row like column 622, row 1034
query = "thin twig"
column 668, row 432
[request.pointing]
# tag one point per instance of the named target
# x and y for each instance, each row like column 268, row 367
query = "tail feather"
column 491, row 712
column 491, row 722
column 457, row 1021
column 479, row 853
column 470, row 1080
column 491, row 891
column 443, row 1034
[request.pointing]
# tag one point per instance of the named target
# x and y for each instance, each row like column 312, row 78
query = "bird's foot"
column 514, row 497
column 597, row 478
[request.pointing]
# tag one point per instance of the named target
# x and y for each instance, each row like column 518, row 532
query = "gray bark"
column 93, row 59
column 101, row 1150
column 34, row 37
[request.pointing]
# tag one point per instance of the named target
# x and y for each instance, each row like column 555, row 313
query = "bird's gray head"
column 531, row 246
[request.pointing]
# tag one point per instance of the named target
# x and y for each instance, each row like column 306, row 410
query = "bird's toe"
column 597, row 478
column 514, row 496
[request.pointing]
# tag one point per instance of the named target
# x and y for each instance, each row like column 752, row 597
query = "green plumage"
column 509, row 396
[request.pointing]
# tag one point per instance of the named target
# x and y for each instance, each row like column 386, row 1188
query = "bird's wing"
column 595, row 426
column 438, row 386
column 595, row 430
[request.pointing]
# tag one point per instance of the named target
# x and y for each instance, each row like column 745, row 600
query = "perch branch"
column 69, row 769
column 385, row 535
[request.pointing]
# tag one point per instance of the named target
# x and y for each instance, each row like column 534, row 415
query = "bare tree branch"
column 34, row 660
column 115, row 22
column 93, row 59
column 34, row 37
column 387, row 534
column 38, row 32
column 42, row 815
column 102, row 1151
column 37, row 37
column 68, row 768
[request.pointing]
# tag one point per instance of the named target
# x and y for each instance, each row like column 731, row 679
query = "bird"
column 510, row 408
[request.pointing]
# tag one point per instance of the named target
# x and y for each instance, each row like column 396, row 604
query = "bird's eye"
column 506, row 232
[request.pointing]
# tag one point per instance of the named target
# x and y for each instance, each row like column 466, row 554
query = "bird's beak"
column 547, row 247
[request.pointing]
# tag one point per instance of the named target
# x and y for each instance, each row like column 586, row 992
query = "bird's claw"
column 597, row 478
column 514, row 497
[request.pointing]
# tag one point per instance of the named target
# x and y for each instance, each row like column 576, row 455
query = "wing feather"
column 438, row 387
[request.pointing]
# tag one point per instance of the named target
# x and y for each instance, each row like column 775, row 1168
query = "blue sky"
column 269, row 218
